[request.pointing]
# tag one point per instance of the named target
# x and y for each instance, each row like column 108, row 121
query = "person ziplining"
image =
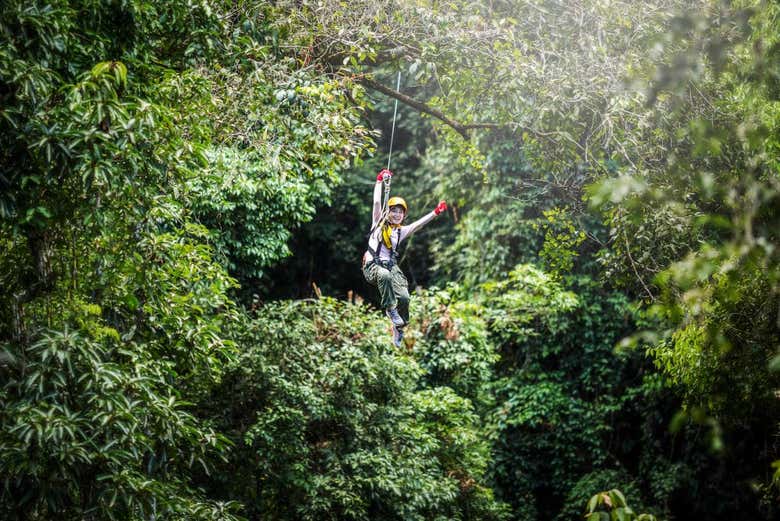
column 380, row 261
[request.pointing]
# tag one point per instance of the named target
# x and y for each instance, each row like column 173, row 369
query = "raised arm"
column 406, row 231
column 376, row 211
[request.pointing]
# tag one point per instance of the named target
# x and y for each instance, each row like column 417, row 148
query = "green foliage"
column 92, row 425
column 590, row 485
column 715, row 291
column 727, row 324
column 611, row 506
column 250, row 211
column 547, row 436
column 496, row 216
column 451, row 343
column 524, row 304
column 119, row 121
column 302, row 132
column 563, row 401
column 329, row 423
column 538, row 362
column 561, row 239
column 159, row 155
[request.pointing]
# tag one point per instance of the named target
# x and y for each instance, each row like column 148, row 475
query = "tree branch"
column 460, row 128
column 633, row 265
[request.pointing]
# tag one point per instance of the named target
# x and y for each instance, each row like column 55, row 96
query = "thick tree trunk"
column 42, row 251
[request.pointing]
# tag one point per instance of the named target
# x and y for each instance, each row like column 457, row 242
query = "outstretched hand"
column 384, row 173
column 441, row 207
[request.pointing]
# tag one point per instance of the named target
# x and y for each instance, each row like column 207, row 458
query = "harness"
column 387, row 241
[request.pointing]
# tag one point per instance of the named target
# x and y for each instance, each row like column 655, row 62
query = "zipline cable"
column 386, row 180
column 395, row 113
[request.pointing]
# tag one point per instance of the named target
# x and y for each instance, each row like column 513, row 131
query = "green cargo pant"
column 393, row 287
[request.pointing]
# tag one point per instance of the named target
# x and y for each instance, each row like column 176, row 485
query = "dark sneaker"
column 398, row 336
column 395, row 317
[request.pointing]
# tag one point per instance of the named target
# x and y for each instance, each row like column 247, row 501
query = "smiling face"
column 396, row 214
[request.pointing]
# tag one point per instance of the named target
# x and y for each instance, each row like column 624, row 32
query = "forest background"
column 184, row 195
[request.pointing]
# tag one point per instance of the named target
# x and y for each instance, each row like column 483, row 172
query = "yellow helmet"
column 395, row 201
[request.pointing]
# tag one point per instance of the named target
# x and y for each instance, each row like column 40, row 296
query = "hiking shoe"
column 395, row 318
column 398, row 336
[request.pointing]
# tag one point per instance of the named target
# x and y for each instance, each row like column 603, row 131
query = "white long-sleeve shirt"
column 375, row 242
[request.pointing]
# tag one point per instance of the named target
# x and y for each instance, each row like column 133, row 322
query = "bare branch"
column 636, row 271
column 460, row 128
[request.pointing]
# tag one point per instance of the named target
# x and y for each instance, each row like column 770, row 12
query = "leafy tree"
column 714, row 295
column 538, row 363
column 119, row 121
column 329, row 423
column 93, row 428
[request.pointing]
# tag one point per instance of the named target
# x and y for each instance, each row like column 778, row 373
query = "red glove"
column 442, row 206
column 382, row 173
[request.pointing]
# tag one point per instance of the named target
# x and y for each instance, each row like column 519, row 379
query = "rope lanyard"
column 386, row 196
column 385, row 209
